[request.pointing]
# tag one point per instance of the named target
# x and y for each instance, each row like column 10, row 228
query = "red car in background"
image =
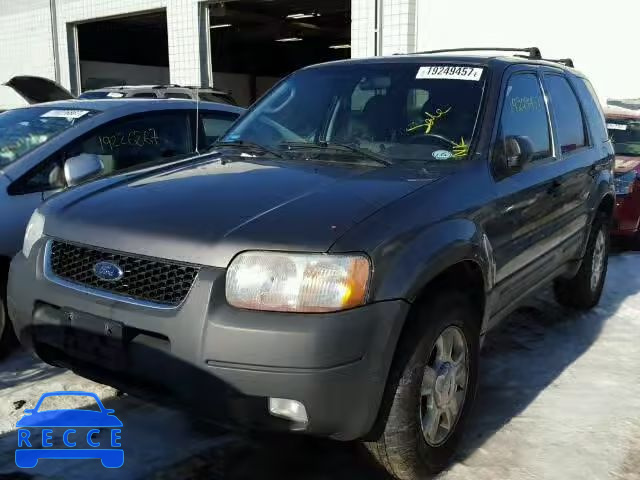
column 624, row 130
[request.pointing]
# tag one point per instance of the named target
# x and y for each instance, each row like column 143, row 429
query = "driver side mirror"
column 513, row 153
column 82, row 167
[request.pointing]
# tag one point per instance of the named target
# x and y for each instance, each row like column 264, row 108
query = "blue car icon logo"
column 69, row 433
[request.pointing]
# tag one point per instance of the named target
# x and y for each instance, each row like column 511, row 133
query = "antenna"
column 197, row 121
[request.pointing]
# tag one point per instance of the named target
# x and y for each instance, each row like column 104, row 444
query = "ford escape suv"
column 332, row 266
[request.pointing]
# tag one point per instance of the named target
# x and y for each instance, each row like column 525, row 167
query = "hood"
column 38, row 89
column 626, row 164
column 205, row 212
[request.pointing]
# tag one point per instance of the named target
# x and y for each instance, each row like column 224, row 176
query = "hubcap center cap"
column 445, row 387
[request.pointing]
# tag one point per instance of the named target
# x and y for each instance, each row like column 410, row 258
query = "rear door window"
column 592, row 109
column 567, row 113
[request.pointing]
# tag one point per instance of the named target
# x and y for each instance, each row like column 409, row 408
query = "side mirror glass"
column 518, row 152
column 512, row 154
column 81, row 168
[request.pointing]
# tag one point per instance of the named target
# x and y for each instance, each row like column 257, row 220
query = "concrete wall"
column 27, row 45
column 597, row 35
column 121, row 74
column 25, row 39
column 240, row 85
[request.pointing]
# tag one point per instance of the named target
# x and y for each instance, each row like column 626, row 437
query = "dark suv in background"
column 205, row 94
column 333, row 266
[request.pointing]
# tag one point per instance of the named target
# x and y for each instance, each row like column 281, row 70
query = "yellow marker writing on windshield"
column 460, row 149
column 430, row 121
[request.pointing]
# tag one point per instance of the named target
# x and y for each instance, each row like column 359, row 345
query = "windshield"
column 23, row 130
column 625, row 135
column 397, row 112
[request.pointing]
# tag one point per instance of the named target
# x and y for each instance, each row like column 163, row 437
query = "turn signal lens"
column 291, row 282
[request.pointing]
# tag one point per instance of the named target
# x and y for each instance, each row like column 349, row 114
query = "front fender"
column 403, row 266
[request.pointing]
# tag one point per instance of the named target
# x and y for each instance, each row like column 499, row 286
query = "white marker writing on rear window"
column 616, row 126
column 449, row 72
column 68, row 114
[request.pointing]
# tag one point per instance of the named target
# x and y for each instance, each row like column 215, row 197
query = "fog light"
column 289, row 409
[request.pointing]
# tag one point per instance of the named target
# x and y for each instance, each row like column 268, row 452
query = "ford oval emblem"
column 107, row 271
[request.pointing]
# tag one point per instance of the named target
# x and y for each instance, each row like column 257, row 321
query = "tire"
column 583, row 291
column 7, row 337
column 402, row 447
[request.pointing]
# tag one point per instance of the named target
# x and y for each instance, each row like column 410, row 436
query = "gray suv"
column 333, row 266
column 204, row 94
column 46, row 148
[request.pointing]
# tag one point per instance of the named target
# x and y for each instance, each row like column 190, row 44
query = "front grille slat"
column 146, row 279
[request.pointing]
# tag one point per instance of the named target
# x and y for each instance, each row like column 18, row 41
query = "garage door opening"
column 132, row 50
column 254, row 43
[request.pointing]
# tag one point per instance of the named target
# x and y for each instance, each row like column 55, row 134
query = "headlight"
column 34, row 232
column 291, row 282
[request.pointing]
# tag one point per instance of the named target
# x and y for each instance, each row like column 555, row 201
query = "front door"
column 522, row 230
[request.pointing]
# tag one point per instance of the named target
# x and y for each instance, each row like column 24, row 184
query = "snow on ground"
column 559, row 400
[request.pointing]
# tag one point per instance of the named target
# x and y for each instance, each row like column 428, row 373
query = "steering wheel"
column 427, row 136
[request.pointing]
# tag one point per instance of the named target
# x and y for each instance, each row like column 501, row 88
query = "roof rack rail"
column 568, row 62
column 534, row 52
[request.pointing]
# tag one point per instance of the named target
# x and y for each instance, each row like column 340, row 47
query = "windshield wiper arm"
column 339, row 146
column 246, row 144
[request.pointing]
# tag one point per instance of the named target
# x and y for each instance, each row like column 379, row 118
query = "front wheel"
column 7, row 337
column 584, row 290
column 431, row 388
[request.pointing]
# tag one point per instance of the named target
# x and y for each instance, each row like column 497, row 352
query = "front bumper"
column 217, row 361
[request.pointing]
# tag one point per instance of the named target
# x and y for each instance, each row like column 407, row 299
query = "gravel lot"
column 559, row 399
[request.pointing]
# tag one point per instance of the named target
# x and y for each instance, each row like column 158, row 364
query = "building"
column 246, row 45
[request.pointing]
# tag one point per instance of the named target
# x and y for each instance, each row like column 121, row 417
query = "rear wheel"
column 584, row 290
column 7, row 337
column 431, row 388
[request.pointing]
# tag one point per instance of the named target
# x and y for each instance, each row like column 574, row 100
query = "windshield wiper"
column 338, row 146
column 246, row 144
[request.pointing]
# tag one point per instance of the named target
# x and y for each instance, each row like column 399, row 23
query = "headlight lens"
column 34, row 232
column 291, row 282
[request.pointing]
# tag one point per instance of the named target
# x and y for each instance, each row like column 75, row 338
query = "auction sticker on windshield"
column 68, row 114
column 449, row 72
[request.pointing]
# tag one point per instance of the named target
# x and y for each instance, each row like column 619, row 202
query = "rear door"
column 577, row 165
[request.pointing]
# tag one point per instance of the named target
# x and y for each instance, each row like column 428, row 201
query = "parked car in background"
column 332, row 266
column 204, row 94
column 46, row 148
column 624, row 129
column 25, row 90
